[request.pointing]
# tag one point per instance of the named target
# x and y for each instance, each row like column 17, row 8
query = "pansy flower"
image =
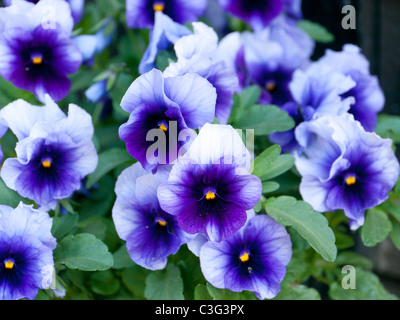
column 197, row 53
column 150, row 233
column 165, row 33
column 344, row 167
column 292, row 9
column 254, row 259
column 90, row 45
column 38, row 55
column 76, row 6
column 369, row 97
column 316, row 91
column 54, row 152
column 260, row 14
column 210, row 187
column 167, row 109
column 198, row 241
column 268, row 58
column 26, row 252
column 140, row 13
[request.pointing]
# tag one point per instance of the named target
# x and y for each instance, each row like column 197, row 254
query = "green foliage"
column 311, row 225
column 264, row 120
column 299, row 292
column 316, row 31
column 165, row 284
column 368, row 287
column 108, row 161
column 377, row 227
column 389, row 127
column 83, row 252
column 271, row 163
column 8, row 197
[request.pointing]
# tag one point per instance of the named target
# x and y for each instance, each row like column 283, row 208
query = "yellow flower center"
column 162, row 223
column 244, row 257
column 9, row 265
column 210, row 195
column 351, row 180
column 37, row 60
column 270, row 86
column 163, row 127
column 46, row 164
column 158, row 6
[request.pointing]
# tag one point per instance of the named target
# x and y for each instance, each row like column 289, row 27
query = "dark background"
column 378, row 35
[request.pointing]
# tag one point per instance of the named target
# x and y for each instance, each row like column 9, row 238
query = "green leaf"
column 395, row 235
column 108, row 160
column 94, row 226
column 165, row 284
column 271, row 164
column 8, row 197
column 63, row 225
column 265, row 160
column 368, row 287
column 298, row 242
column 284, row 163
column 134, row 279
column 396, row 189
column 353, row 259
column 377, row 227
column 222, row 294
column 311, row 225
column 392, row 206
column 265, row 120
column 389, row 127
column 100, row 201
column 67, row 205
column 250, row 96
column 201, row 293
column 164, row 58
column 316, row 31
column 83, row 252
column 344, row 241
column 104, row 283
column 122, row 260
column 270, row 186
column 299, row 292
column 297, row 269
column 9, row 93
